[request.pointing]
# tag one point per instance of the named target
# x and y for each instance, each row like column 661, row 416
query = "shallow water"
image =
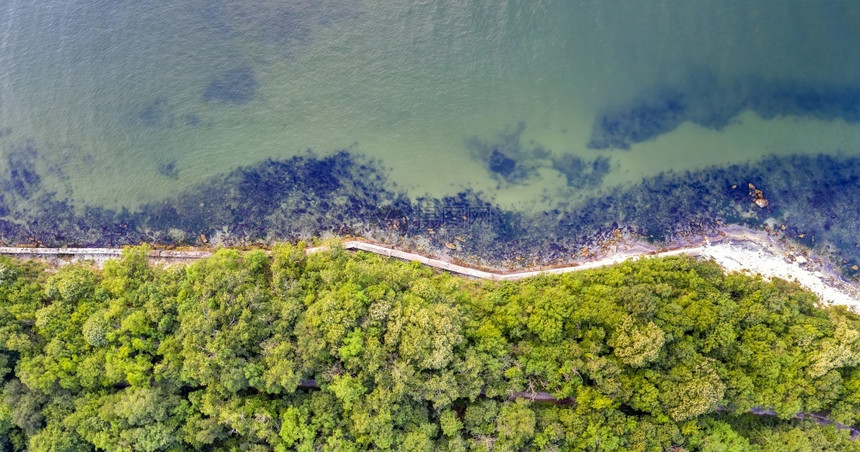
column 118, row 104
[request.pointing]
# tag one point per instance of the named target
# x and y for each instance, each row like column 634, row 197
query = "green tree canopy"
column 353, row 351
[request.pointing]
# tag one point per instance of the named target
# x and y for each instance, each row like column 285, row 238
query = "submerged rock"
column 644, row 120
column 501, row 163
column 168, row 169
column 22, row 178
column 237, row 86
column 580, row 173
column 156, row 114
column 709, row 103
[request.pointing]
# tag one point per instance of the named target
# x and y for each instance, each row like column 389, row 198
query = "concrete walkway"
column 735, row 249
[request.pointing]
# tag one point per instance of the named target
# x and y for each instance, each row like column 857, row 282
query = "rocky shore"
column 799, row 201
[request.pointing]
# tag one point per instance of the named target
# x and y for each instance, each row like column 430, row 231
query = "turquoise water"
column 409, row 83
column 117, row 104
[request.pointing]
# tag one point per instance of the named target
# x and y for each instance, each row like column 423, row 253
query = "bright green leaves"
column 333, row 314
column 72, row 283
column 129, row 272
column 95, row 330
column 135, row 419
column 515, row 425
column 841, row 350
column 347, row 389
column 296, row 429
column 342, row 351
column 352, row 345
column 450, row 423
column 72, row 296
column 288, row 262
column 224, row 315
column 278, row 370
column 548, row 314
column 480, row 417
column 692, row 390
column 425, row 334
column 637, row 345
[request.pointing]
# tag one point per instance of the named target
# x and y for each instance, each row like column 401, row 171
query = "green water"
column 111, row 93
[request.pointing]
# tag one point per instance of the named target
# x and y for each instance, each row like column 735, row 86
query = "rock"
column 501, row 163
column 168, row 169
column 801, row 260
column 450, row 246
column 758, row 196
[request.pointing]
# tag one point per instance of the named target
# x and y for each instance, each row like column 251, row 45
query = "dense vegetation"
column 665, row 354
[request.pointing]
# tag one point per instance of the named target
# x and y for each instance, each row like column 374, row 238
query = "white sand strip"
column 748, row 257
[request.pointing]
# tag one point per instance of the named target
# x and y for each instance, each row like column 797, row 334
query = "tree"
column 637, row 345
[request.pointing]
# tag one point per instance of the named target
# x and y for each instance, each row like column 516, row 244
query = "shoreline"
column 734, row 248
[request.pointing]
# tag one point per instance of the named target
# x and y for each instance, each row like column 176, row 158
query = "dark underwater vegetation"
column 816, row 197
column 580, row 173
column 156, row 114
column 236, row 86
column 168, row 169
column 23, row 179
column 160, row 114
column 506, row 157
column 512, row 161
column 714, row 105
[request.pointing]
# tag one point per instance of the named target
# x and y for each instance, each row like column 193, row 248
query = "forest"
column 341, row 351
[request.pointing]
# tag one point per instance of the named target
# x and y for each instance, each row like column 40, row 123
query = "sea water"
column 537, row 104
